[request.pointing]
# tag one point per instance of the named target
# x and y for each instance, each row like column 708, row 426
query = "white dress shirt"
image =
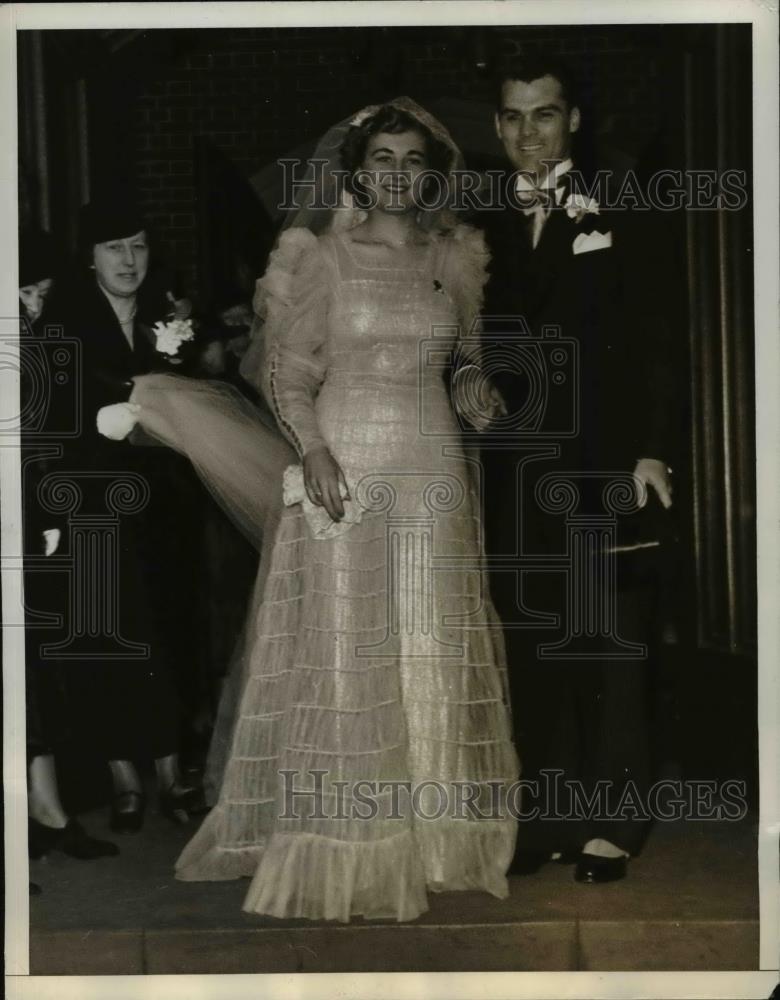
column 525, row 190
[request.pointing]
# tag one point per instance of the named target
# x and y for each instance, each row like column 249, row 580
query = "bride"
column 371, row 729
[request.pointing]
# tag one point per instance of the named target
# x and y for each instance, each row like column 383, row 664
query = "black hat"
column 38, row 257
column 109, row 218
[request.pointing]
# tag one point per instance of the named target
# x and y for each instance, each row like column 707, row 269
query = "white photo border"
column 699, row 985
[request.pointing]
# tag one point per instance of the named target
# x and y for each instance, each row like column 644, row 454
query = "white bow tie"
column 538, row 198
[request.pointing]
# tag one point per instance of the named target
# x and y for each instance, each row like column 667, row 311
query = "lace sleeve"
column 287, row 359
column 465, row 274
column 464, row 269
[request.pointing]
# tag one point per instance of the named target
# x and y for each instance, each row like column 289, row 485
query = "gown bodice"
column 360, row 336
column 385, row 316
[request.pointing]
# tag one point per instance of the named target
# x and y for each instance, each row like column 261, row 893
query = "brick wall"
column 257, row 93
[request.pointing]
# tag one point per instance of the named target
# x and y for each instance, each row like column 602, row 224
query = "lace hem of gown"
column 305, row 875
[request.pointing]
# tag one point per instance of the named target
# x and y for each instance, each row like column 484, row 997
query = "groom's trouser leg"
column 545, row 711
column 614, row 709
column 581, row 728
column 584, row 718
column 542, row 693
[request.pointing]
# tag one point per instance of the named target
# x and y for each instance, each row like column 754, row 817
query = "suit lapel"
column 550, row 260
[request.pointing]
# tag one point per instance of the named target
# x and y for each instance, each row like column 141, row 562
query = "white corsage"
column 116, row 421
column 579, row 205
column 318, row 519
column 171, row 335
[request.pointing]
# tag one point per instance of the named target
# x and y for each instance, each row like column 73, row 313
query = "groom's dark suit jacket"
column 616, row 311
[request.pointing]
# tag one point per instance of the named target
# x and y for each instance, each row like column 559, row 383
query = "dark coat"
column 108, row 363
column 120, row 706
column 617, row 314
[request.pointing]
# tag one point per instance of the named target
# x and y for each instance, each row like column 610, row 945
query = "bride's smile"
column 392, row 165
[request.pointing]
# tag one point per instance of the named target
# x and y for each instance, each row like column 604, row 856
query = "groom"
column 576, row 294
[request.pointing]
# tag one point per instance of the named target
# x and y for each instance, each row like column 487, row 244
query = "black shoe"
column 527, row 861
column 71, row 839
column 127, row 811
column 592, row 869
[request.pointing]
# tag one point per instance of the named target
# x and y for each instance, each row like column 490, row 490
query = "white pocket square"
column 586, row 242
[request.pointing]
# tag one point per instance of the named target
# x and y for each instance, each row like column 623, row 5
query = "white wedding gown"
column 373, row 655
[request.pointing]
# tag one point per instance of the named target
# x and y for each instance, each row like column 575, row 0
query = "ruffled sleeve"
column 464, row 268
column 287, row 359
column 464, row 273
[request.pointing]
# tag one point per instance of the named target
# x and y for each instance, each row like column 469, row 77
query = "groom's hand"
column 652, row 472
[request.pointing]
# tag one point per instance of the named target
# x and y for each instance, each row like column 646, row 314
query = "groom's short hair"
column 534, row 67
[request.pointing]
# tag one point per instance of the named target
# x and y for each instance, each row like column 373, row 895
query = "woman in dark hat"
column 133, row 709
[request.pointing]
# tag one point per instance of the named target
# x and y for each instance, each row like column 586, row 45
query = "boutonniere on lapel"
column 579, row 205
column 170, row 335
column 584, row 211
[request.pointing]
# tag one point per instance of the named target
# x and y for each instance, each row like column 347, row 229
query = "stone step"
column 690, row 903
column 533, row 946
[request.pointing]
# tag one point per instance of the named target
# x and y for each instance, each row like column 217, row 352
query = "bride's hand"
column 322, row 477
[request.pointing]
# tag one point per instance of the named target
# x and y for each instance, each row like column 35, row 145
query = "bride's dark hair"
column 394, row 121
